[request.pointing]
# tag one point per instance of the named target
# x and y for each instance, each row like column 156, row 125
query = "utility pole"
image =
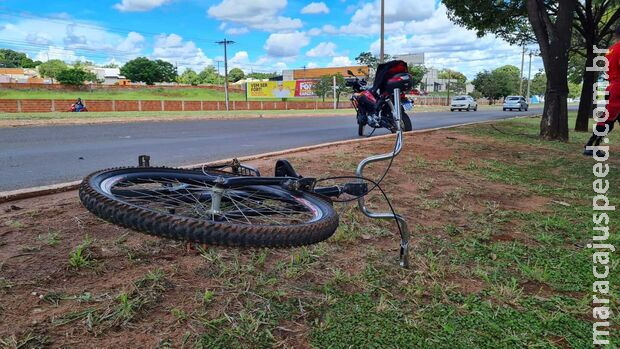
column 382, row 53
column 529, row 77
column 521, row 73
column 225, row 43
column 448, row 85
column 334, row 87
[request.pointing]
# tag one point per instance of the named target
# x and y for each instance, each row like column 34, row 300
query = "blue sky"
column 270, row 35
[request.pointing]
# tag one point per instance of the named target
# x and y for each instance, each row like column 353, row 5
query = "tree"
column 189, row 77
column 507, row 80
column 141, row 69
column 449, row 74
column 539, row 84
column 167, row 71
column 145, row 70
column 417, row 74
column 551, row 23
column 452, row 74
column 235, row 74
column 209, row 75
column 594, row 26
column 475, row 95
column 14, row 59
column 574, row 90
column 322, row 87
column 341, row 87
column 552, row 26
column 367, row 58
column 501, row 82
column 52, row 68
column 262, row 76
column 75, row 77
column 110, row 65
column 82, row 64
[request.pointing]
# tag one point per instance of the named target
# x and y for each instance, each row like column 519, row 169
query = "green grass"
column 81, row 256
column 188, row 94
column 128, row 94
column 125, row 308
column 466, row 287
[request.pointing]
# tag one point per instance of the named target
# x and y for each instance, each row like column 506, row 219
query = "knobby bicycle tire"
column 200, row 230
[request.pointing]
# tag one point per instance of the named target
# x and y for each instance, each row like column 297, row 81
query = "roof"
column 12, row 71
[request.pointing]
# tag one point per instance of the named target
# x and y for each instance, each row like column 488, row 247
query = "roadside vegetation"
column 498, row 260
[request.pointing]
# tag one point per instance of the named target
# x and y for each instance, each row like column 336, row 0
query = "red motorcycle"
column 374, row 105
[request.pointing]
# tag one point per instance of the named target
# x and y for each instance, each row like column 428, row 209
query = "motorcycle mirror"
column 350, row 73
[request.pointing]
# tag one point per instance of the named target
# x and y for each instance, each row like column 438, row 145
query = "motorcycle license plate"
column 407, row 105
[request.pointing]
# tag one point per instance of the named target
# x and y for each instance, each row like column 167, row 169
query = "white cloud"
column 139, row 5
column 330, row 29
column 366, row 21
column 264, row 64
column 257, row 14
column 323, row 49
column 285, row 44
column 185, row 54
column 237, row 31
column 280, row 66
column 75, row 38
column 421, row 26
column 56, row 52
column 134, row 43
column 314, row 32
column 311, row 65
column 315, row 8
column 340, row 61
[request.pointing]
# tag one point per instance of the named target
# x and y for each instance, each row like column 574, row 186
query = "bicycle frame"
column 298, row 183
column 404, row 231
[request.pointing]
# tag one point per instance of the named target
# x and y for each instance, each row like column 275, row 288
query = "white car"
column 463, row 103
column 515, row 102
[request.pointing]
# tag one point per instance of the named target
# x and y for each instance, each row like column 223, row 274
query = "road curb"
column 26, row 193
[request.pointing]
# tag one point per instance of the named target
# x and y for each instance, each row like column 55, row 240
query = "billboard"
column 280, row 89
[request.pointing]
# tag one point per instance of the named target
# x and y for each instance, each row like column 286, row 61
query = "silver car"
column 463, row 103
column 515, row 102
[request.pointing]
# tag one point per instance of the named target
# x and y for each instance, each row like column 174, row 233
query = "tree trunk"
column 554, row 122
column 586, row 103
column 553, row 34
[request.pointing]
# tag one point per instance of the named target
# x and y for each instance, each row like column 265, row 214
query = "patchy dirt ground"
column 69, row 279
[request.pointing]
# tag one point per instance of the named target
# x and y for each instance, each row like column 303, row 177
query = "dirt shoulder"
column 496, row 226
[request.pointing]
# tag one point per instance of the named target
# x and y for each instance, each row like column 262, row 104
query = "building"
column 109, row 76
column 316, row 73
column 432, row 83
column 20, row 75
column 410, row 58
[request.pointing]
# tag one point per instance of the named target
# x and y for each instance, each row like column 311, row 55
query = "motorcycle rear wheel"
column 405, row 123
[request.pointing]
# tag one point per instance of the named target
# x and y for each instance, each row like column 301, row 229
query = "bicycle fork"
column 402, row 223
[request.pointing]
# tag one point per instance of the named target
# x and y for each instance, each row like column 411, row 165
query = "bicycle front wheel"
column 187, row 205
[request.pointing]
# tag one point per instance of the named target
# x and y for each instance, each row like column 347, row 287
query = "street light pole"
column 529, row 77
column 382, row 53
column 521, row 72
column 225, row 43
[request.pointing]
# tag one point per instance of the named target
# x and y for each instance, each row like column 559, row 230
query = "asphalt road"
column 34, row 156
